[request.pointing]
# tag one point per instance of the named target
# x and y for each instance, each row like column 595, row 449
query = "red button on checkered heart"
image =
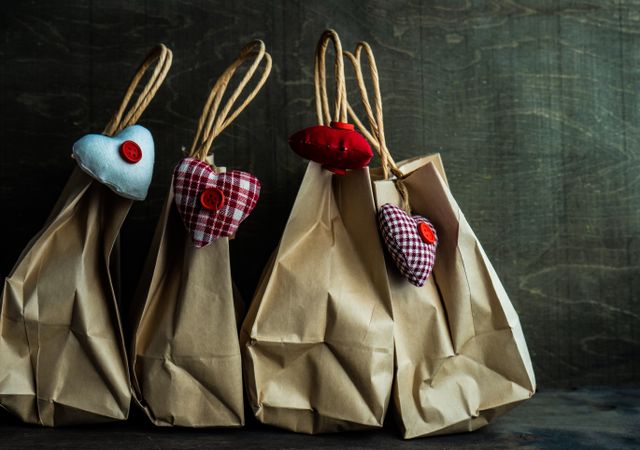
column 411, row 246
column 205, row 222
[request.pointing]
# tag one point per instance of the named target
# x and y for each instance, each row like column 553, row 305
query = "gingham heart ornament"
column 212, row 205
column 411, row 242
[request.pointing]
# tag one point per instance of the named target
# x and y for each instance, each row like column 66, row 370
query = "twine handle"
column 212, row 123
column 323, row 111
column 162, row 57
column 375, row 118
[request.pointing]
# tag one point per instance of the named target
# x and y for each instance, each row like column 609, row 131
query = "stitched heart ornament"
column 123, row 162
column 212, row 205
column 338, row 147
column 411, row 241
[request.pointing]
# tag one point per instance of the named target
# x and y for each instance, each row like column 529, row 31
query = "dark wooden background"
column 534, row 106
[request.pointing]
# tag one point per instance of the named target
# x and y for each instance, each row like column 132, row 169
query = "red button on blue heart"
column 212, row 205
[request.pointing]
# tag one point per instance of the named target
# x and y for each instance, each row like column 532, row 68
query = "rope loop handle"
column 323, row 111
column 162, row 57
column 375, row 118
column 212, row 122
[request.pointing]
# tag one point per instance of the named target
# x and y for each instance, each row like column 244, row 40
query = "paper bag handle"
column 323, row 111
column 162, row 57
column 375, row 117
column 212, row 123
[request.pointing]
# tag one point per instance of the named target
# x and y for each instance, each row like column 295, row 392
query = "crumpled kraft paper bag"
column 461, row 357
column 186, row 357
column 61, row 345
column 318, row 339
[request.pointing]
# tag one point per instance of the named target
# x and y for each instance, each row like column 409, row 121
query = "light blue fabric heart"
column 99, row 156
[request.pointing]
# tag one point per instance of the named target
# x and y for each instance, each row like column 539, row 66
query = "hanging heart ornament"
column 338, row 147
column 123, row 162
column 212, row 205
column 411, row 241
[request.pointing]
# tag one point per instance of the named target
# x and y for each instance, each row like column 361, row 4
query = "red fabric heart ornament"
column 411, row 241
column 338, row 147
column 212, row 205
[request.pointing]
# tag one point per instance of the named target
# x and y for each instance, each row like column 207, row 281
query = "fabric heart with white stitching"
column 123, row 162
column 411, row 241
column 212, row 205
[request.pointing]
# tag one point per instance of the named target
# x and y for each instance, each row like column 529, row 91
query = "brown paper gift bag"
column 62, row 355
column 186, row 356
column 318, row 339
column 461, row 357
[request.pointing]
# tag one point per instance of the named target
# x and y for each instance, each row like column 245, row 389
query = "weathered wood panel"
column 534, row 106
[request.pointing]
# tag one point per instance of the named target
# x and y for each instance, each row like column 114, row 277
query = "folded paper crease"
column 461, row 357
column 186, row 364
column 59, row 315
column 317, row 341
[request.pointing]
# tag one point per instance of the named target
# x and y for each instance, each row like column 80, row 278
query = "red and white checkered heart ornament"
column 411, row 241
column 212, row 205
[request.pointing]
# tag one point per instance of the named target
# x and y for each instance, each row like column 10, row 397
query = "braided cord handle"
column 323, row 111
column 212, row 122
column 375, row 118
column 162, row 57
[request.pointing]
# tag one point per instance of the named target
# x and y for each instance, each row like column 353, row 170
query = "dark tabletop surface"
column 556, row 419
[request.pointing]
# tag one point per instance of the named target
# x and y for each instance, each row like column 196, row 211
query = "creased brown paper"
column 187, row 368
column 62, row 354
column 461, row 358
column 186, row 357
column 61, row 350
column 318, row 339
